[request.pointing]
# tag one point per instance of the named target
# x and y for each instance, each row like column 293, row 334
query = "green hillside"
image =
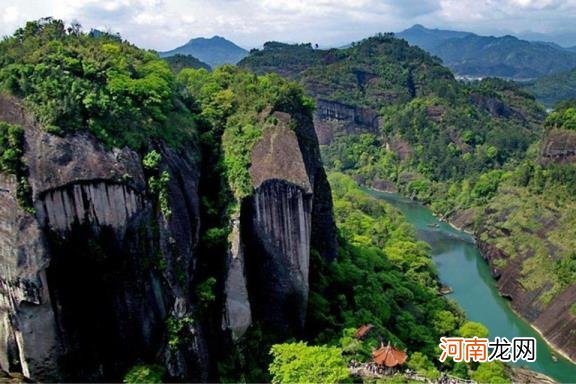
column 552, row 89
column 446, row 130
column 179, row 62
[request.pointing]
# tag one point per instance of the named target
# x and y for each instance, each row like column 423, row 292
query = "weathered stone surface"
column 278, row 221
column 558, row 325
column 98, row 204
column 553, row 319
column 86, row 284
column 278, row 156
column 28, row 339
column 559, row 145
column 332, row 117
column 237, row 312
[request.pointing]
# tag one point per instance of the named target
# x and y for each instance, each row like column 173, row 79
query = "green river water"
column 461, row 267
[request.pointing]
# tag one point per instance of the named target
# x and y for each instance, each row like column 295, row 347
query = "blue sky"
column 165, row 24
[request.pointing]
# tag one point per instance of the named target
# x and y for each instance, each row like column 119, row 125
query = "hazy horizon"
column 166, row 24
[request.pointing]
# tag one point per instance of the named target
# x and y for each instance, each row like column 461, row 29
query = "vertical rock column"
column 28, row 339
column 276, row 228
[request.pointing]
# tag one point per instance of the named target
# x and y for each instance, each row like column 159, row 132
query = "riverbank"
column 527, row 376
column 462, row 222
column 462, row 266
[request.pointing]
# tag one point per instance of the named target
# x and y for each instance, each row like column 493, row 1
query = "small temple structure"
column 363, row 331
column 388, row 356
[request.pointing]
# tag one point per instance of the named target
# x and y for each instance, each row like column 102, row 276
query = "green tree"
column 471, row 329
column 144, row 373
column 300, row 363
column 421, row 364
column 493, row 372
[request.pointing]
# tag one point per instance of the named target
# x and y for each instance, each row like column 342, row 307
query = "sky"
column 166, row 24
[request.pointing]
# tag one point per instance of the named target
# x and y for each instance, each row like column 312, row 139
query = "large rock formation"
column 98, row 279
column 559, row 145
column 278, row 217
column 289, row 213
column 87, row 283
column 331, row 118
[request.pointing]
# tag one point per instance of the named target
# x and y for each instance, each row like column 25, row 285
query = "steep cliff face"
column 237, row 311
column 291, row 203
column 332, row 117
column 279, row 218
column 553, row 319
column 559, row 145
column 87, row 283
column 98, row 278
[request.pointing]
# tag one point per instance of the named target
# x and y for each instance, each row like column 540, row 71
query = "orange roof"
column 363, row 330
column 389, row 356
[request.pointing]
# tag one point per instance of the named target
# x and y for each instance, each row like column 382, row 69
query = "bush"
column 151, row 160
column 421, row 364
column 11, row 142
column 143, row 373
column 471, row 329
column 493, row 372
column 300, row 363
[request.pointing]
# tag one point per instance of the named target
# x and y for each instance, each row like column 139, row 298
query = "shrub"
column 300, row 363
column 144, row 373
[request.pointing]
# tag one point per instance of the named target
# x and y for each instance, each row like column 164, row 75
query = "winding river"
column 461, row 267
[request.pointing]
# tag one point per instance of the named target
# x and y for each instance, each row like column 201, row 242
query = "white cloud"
column 164, row 24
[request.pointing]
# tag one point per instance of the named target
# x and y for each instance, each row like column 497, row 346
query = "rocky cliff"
column 88, row 281
column 559, row 146
column 289, row 213
column 99, row 277
column 552, row 319
column 332, row 117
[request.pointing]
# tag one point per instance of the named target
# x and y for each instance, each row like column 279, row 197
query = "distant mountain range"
column 468, row 54
column 565, row 39
column 214, row 51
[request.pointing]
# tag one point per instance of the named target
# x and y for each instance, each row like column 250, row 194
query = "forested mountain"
column 392, row 117
column 554, row 88
column 383, row 86
column 161, row 226
column 214, row 51
column 179, row 62
column 471, row 55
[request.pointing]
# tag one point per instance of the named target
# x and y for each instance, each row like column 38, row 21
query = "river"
column 461, row 267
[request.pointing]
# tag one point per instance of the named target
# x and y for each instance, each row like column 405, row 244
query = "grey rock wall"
column 88, row 282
